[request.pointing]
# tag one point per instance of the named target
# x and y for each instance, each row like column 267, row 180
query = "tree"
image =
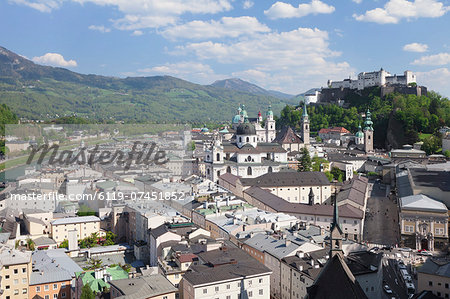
column 305, row 160
column 431, row 144
column 109, row 238
column 64, row 244
column 30, row 244
column 87, row 293
column 329, row 176
column 337, row 174
column 447, row 153
column 318, row 162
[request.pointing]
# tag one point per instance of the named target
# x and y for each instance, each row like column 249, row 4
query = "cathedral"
column 364, row 138
column 254, row 149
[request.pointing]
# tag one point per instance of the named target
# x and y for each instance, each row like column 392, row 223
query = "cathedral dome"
column 246, row 129
column 236, row 119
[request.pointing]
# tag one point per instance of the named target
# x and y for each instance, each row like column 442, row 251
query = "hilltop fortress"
column 339, row 91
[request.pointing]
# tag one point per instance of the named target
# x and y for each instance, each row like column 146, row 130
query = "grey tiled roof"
column 142, row 287
column 51, row 266
column 280, row 179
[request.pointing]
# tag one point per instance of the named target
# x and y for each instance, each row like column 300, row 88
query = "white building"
column 376, row 78
column 227, row 273
column 246, row 157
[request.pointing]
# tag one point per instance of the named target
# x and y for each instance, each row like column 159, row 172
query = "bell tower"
column 270, row 125
column 368, row 133
column 305, row 125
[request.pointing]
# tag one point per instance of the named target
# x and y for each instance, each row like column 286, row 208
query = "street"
column 381, row 222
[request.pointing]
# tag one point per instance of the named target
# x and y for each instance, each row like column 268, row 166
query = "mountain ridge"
column 43, row 92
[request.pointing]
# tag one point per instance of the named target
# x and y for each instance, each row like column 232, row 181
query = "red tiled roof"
column 341, row 130
column 188, row 257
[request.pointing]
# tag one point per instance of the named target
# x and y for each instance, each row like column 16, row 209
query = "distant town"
column 254, row 208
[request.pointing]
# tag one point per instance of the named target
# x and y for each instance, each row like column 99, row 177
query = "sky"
column 288, row 46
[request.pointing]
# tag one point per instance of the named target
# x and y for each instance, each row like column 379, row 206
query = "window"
column 16, row 271
column 217, row 289
column 47, row 297
column 46, row 287
column 24, row 280
column 16, row 292
column 165, row 297
column 24, row 270
column 55, row 286
column 55, row 296
column 24, row 291
column 260, row 280
column 228, row 297
column 439, row 231
column 63, row 295
column 205, row 291
column 446, row 285
column 38, row 289
column 16, row 281
column 409, row 229
column 261, row 292
column 430, row 283
column 63, row 284
column 249, row 171
column 250, row 282
column 250, row 293
column 7, row 287
column 228, row 286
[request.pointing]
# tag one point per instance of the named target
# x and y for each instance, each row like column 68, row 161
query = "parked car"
column 374, row 248
column 387, row 248
column 387, row 289
column 425, row 253
column 406, row 249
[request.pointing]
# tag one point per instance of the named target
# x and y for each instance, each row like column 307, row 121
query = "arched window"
column 218, row 157
column 306, row 127
column 369, row 137
column 207, row 157
column 269, row 169
column 254, row 139
column 248, row 139
column 229, row 169
column 240, row 139
column 249, row 159
column 249, row 171
column 207, row 171
column 218, row 173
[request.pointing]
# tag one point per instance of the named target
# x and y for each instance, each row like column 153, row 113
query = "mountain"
column 42, row 92
column 244, row 86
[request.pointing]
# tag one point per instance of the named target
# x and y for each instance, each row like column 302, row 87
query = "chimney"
column 287, row 242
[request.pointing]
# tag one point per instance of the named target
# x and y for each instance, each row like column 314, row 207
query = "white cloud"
column 101, row 28
column 137, row 33
column 225, row 27
column 437, row 59
column 415, row 47
column 280, row 10
column 248, row 4
column 436, row 80
column 54, row 59
column 188, row 70
column 296, row 60
column 139, row 14
column 396, row 10
column 41, row 5
column 357, row 1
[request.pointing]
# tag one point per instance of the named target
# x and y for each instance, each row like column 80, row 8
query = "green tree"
column 431, row 144
column 329, row 176
column 305, row 160
column 447, row 153
column 318, row 162
column 337, row 174
column 30, row 244
column 109, row 239
column 64, row 244
column 87, row 293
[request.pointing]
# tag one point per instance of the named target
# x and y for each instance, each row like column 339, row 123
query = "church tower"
column 335, row 233
column 305, row 125
column 270, row 125
column 368, row 133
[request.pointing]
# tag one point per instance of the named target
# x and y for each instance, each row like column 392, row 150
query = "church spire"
column 305, row 112
column 335, row 232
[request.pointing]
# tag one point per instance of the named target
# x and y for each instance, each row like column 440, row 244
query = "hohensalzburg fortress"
column 378, row 78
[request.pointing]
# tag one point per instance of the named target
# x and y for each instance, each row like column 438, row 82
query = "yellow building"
column 85, row 226
column 15, row 270
column 423, row 222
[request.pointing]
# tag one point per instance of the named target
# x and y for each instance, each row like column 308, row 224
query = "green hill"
column 42, row 92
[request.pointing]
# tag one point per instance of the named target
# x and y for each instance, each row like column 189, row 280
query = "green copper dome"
column 243, row 111
column 269, row 111
column 359, row 134
column 368, row 122
column 236, row 119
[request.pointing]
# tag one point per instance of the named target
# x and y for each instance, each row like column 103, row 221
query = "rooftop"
column 75, row 220
column 420, row 202
column 280, row 179
column 144, row 286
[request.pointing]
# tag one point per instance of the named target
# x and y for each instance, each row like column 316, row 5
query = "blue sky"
column 290, row 46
